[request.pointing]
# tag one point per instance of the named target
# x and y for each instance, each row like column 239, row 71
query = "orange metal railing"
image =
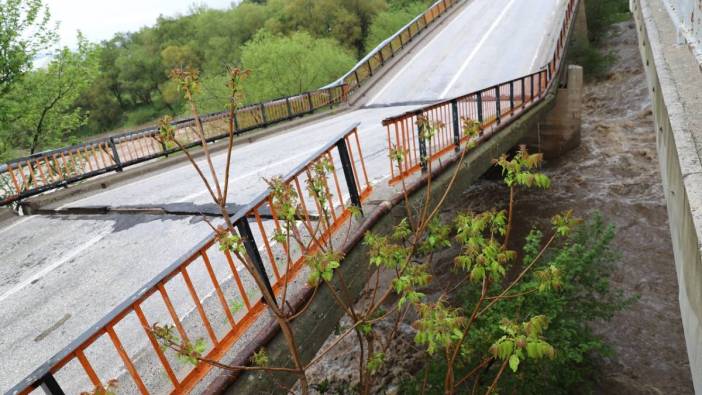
column 210, row 283
column 491, row 107
column 44, row 171
column 376, row 59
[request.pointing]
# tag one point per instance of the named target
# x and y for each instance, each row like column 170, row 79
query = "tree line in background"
column 291, row 46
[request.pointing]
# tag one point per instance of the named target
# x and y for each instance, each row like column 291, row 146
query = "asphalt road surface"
column 61, row 274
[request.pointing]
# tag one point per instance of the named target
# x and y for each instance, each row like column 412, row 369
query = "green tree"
column 25, row 31
column 43, row 110
column 348, row 21
column 283, row 65
column 387, row 23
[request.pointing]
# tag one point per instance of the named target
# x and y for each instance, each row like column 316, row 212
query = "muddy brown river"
column 615, row 171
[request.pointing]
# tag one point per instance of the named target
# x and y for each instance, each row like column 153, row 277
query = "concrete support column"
column 580, row 26
column 559, row 130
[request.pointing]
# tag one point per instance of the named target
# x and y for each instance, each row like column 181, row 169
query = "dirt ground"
column 614, row 171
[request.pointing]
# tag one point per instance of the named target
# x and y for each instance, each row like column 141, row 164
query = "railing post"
column 511, row 96
column 347, row 167
column 115, row 155
column 164, row 147
column 531, row 98
column 498, row 110
column 382, row 58
column 50, row 386
column 263, row 114
column 330, row 94
column 402, row 44
column 370, row 69
column 523, row 92
column 480, row 107
column 355, row 74
column 456, row 125
column 236, row 122
column 540, row 85
column 287, row 103
column 309, row 101
column 252, row 251
column 423, row 160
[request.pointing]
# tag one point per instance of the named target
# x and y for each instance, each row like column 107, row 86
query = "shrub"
column 585, row 295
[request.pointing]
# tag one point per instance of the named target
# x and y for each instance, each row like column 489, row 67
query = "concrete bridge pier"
column 558, row 131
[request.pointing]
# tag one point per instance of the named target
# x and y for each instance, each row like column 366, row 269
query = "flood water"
column 615, row 171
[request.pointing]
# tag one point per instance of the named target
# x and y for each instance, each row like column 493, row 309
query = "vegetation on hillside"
column 291, row 46
column 600, row 15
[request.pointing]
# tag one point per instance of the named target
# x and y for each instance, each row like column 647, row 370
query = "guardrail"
column 235, row 302
column 38, row 173
column 364, row 69
column 28, row 176
column 491, row 107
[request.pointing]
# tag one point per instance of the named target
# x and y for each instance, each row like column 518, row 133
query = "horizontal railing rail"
column 28, row 176
column 378, row 57
column 212, row 282
column 492, row 108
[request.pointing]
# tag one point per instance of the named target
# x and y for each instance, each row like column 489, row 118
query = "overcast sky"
column 100, row 19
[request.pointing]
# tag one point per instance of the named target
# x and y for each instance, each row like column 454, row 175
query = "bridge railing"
column 492, row 108
column 386, row 50
column 28, row 176
column 32, row 175
column 223, row 309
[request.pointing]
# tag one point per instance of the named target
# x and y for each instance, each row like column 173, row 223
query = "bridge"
column 670, row 42
column 84, row 269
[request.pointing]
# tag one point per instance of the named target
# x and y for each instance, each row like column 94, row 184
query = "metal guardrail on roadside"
column 491, row 107
column 375, row 59
column 236, row 302
column 28, row 176
column 32, row 175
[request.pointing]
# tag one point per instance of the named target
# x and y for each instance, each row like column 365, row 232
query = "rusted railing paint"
column 492, row 108
column 386, row 50
column 32, row 175
column 339, row 190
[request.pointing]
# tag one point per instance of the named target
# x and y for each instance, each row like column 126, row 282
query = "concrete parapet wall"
column 675, row 84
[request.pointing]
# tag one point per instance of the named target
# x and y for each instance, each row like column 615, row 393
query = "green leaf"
column 514, row 362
